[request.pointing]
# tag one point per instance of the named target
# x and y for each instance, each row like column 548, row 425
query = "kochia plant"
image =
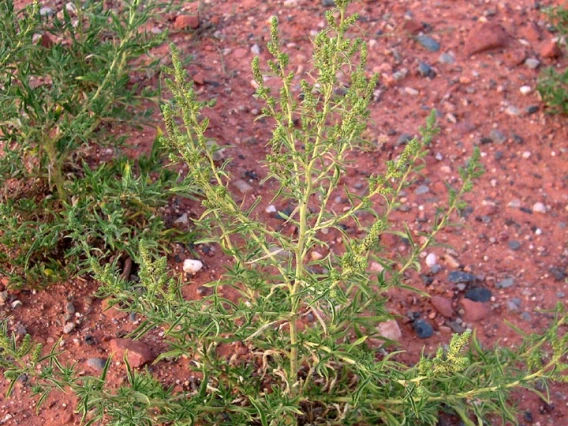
column 299, row 344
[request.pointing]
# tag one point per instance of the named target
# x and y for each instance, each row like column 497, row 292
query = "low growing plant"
column 65, row 78
column 553, row 84
column 300, row 343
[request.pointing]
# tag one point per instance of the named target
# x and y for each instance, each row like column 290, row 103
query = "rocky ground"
column 476, row 63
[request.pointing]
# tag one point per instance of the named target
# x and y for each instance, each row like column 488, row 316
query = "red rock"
column 390, row 330
column 475, row 311
column 443, row 305
column 199, row 78
column 531, row 32
column 110, row 311
column 186, row 21
column 551, row 50
column 240, row 53
column 46, row 41
column 138, row 353
column 486, row 36
column 411, row 26
column 515, row 57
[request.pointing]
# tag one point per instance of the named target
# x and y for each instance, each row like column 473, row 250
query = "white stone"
column 271, row 209
column 69, row 327
column 390, row 330
column 70, row 7
column 411, row 91
column 316, row 255
column 525, row 90
column 512, row 111
column 539, row 208
column 191, row 266
column 242, row 186
column 431, row 260
column 182, row 220
column 376, row 267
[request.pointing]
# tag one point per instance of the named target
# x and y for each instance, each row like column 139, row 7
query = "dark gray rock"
column 460, row 277
column 497, row 136
column 428, row 42
column 421, row 190
column 423, row 329
column 97, row 363
column 514, row 245
column 403, row 139
column 557, row 273
column 478, row 294
column 506, row 283
column 426, row 70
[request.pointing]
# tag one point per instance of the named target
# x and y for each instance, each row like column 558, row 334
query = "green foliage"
column 64, row 79
column 299, row 344
column 552, row 84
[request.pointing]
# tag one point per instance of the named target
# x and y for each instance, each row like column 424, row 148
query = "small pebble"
column 97, row 363
column 478, row 294
column 423, row 329
column 525, row 90
column 539, row 208
column 16, row 304
column 514, row 245
column 191, row 266
column 514, row 304
column 69, row 327
column 70, row 7
column 425, row 70
column 557, row 273
column 428, row 42
column 399, row 75
column 46, row 11
column 182, row 220
column 531, row 109
column 255, row 49
column 497, row 136
column 431, row 259
column 271, row 209
column 410, row 91
column 512, row 111
column 532, row 63
column 446, row 58
column 506, row 283
column 421, row 190
column 460, row 277
column 316, row 255
column 242, row 186
column 403, row 139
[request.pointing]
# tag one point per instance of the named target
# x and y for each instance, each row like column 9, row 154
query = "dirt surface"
column 481, row 81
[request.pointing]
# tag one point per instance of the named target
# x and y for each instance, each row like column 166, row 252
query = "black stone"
column 557, row 273
column 478, row 294
column 460, row 277
column 423, row 329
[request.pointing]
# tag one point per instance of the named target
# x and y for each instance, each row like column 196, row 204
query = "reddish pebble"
column 138, row 353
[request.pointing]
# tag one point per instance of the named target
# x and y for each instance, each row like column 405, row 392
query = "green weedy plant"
column 553, row 85
column 64, row 79
column 295, row 347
